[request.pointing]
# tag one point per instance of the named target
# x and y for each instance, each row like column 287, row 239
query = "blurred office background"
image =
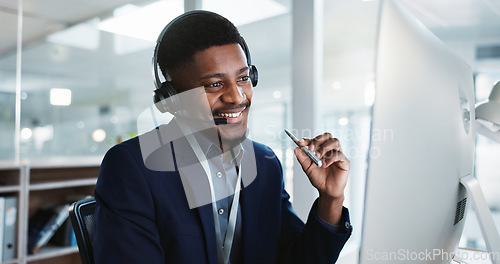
column 82, row 72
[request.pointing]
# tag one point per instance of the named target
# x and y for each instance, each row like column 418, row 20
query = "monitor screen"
column 422, row 143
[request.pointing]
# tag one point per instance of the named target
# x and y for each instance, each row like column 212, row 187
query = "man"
column 148, row 214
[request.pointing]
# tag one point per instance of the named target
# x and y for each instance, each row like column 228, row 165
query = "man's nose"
column 233, row 94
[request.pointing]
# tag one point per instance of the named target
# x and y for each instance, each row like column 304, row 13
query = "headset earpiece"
column 254, row 75
column 165, row 99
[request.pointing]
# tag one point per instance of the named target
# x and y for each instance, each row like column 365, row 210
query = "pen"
column 309, row 153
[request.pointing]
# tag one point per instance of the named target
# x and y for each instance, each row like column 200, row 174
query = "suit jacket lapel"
column 207, row 220
column 197, row 190
column 250, row 203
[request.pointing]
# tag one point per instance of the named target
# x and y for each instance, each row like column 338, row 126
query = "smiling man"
column 224, row 73
column 218, row 197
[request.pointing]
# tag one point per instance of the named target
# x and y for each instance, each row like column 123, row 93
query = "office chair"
column 81, row 214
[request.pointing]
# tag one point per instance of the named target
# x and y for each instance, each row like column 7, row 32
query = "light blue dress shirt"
column 224, row 169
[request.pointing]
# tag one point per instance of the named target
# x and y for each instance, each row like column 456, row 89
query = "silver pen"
column 309, row 153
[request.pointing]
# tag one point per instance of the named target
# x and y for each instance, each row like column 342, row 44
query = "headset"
column 163, row 96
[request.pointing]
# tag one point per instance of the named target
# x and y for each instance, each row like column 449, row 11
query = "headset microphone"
column 217, row 121
column 220, row 121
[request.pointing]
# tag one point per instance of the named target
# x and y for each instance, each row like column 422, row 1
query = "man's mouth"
column 231, row 113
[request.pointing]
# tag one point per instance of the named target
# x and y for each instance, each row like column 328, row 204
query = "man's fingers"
column 327, row 146
column 304, row 142
column 303, row 159
column 319, row 140
column 337, row 157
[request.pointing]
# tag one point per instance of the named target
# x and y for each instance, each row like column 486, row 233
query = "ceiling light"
column 344, row 121
column 99, row 135
column 142, row 22
column 148, row 21
column 84, row 35
column 240, row 12
column 26, row 133
column 60, row 96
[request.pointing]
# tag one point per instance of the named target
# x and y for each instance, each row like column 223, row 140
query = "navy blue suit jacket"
column 143, row 216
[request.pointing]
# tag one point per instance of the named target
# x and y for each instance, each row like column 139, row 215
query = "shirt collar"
column 211, row 150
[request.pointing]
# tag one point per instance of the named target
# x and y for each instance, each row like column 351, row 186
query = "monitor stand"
column 482, row 130
column 483, row 214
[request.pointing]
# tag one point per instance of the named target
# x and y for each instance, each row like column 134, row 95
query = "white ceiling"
column 41, row 17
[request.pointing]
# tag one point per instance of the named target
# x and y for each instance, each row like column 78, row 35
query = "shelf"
column 51, row 252
column 10, row 165
column 38, row 183
column 8, row 189
column 59, row 162
column 62, row 184
column 63, row 162
column 11, row 261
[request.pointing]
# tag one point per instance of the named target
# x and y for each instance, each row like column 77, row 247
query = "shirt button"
column 348, row 225
column 221, row 211
column 219, row 174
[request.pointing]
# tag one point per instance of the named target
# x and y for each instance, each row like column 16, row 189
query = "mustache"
column 222, row 109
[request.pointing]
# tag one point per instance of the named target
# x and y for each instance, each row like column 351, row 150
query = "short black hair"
column 192, row 33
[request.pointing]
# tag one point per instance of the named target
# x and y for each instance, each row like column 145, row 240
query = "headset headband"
column 156, row 76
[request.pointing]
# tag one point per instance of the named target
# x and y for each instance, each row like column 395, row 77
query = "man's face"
column 224, row 73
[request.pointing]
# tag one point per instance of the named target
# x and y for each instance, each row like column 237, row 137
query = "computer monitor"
column 422, row 143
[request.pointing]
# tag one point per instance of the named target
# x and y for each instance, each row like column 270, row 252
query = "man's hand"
column 331, row 178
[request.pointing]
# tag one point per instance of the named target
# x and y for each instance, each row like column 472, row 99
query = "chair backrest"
column 81, row 214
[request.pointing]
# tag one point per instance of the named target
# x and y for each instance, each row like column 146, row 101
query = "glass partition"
column 85, row 85
column 86, row 74
column 350, row 30
column 8, row 48
column 270, row 43
column 7, row 119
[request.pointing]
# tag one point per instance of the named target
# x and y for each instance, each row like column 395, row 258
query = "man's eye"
column 214, row 85
column 245, row 78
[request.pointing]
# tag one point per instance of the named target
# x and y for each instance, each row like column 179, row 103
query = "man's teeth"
column 229, row 114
